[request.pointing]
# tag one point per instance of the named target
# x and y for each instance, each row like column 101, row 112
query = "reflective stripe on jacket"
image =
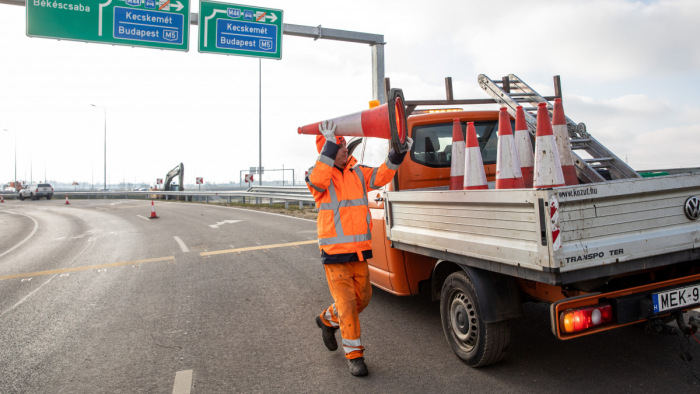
column 344, row 223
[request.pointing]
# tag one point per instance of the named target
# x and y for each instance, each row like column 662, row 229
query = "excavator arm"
column 178, row 171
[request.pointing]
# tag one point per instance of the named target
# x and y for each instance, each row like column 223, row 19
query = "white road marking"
column 222, row 223
column 183, row 382
column 36, row 227
column 182, row 244
column 142, row 217
column 20, row 302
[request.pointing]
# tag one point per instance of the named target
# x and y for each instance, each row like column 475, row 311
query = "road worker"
column 340, row 188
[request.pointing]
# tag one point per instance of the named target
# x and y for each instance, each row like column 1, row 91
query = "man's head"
column 342, row 157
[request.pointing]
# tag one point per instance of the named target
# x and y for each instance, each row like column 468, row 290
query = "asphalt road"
column 95, row 297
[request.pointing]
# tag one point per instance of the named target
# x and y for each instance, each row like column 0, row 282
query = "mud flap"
column 499, row 296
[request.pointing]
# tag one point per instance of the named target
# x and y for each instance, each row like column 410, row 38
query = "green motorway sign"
column 243, row 30
column 162, row 24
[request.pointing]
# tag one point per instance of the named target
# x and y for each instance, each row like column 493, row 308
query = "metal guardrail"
column 269, row 195
column 280, row 189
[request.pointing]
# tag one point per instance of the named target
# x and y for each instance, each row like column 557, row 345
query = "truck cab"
column 426, row 166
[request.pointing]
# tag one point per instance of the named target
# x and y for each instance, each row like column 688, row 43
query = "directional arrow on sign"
column 265, row 16
column 178, row 6
column 206, row 24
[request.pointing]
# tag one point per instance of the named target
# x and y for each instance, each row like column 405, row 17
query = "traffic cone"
column 561, row 134
column 523, row 145
column 457, row 161
column 67, row 203
column 153, row 211
column 508, row 175
column 547, row 165
column 387, row 121
column 1, row 199
column 474, row 174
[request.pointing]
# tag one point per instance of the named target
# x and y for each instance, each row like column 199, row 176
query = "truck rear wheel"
column 475, row 342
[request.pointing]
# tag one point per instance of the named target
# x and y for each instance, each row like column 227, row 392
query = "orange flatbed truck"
column 628, row 250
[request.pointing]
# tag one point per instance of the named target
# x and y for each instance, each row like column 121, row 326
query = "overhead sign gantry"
column 162, row 24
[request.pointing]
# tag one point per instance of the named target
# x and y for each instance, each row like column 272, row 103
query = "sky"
column 629, row 70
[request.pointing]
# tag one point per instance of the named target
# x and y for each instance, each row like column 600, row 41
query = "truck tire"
column 475, row 342
column 21, row 197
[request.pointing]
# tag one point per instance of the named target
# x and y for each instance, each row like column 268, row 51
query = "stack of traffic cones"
column 153, row 211
column 508, row 175
column 547, row 163
column 561, row 134
column 474, row 175
column 67, row 203
column 457, row 161
column 523, row 145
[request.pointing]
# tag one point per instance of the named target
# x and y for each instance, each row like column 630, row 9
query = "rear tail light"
column 579, row 319
column 36, row 190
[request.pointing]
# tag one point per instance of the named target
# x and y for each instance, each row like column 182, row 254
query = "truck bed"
column 605, row 229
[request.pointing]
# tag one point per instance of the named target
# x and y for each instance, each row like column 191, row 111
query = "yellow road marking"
column 248, row 249
column 153, row 260
column 87, row 268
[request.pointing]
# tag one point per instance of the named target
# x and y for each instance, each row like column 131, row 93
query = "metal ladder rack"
column 511, row 91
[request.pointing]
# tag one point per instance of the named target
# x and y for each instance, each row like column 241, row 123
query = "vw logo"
column 692, row 208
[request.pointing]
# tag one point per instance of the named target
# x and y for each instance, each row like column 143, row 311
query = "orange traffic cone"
column 457, row 161
column 547, row 165
column 67, row 203
column 523, row 145
column 153, row 211
column 508, row 175
column 474, row 175
column 387, row 121
column 561, row 134
column 1, row 199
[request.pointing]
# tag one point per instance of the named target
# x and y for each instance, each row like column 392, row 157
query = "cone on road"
column 153, row 211
column 523, row 145
column 547, row 165
column 67, row 202
column 508, row 175
column 474, row 174
column 2, row 199
column 457, row 161
column 561, row 134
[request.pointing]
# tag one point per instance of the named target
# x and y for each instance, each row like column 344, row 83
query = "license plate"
column 676, row 298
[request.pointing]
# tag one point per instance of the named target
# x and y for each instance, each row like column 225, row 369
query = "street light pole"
column 105, row 118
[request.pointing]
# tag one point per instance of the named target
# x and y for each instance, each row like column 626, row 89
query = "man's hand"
column 397, row 158
column 327, row 128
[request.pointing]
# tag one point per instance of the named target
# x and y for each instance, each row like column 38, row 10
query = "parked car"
column 36, row 191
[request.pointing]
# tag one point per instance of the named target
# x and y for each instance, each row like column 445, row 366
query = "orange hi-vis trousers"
column 351, row 291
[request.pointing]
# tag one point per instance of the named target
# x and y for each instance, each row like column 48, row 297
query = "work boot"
column 328, row 334
column 358, row 367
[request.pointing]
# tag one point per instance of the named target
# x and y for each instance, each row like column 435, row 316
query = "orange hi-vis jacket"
column 344, row 222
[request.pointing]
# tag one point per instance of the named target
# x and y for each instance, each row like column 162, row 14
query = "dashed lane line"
column 183, row 382
column 182, row 244
column 261, row 247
